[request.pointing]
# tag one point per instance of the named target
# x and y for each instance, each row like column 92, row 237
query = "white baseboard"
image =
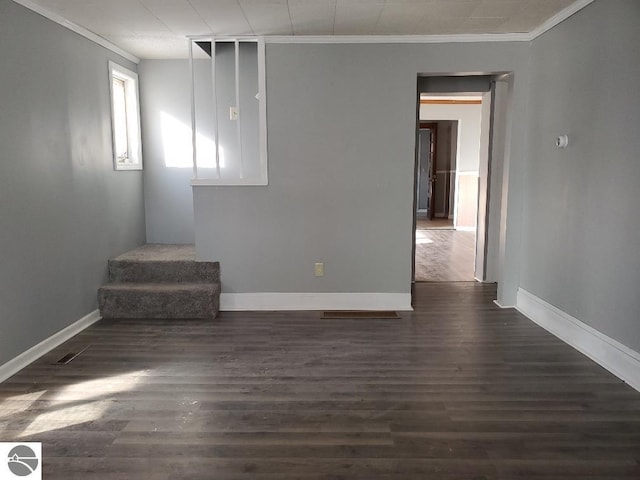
column 480, row 280
column 619, row 359
column 16, row 364
column 466, row 229
column 503, row 306
column 314, row 301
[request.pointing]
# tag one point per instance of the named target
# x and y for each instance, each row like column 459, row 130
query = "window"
column 228, row 116
column 125, row 118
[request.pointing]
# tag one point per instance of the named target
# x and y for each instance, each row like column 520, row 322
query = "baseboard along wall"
column 619, row 359
column 16, row 364
column 314, row 301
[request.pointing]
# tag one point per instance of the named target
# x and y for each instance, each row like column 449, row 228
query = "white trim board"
column 16, row 364
column 390, row 39
column 60, row 20
column 265, row 301
column 496, row 302
column 620, row 360
column 559, row 17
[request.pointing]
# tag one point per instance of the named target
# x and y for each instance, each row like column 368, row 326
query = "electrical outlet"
column 318, row 269
column 233, row 113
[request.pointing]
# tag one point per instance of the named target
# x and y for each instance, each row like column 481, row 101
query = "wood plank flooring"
column 435, row 224
column 457, row 389
column 445, row 256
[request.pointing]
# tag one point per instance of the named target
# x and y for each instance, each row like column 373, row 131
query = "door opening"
column 452, row 238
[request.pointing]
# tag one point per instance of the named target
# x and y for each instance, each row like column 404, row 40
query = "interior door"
column 428, row 167
column 424, row 170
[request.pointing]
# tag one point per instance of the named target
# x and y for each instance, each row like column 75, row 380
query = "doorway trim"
column 499, row 164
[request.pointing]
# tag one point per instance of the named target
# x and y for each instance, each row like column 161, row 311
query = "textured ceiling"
column 157, row 28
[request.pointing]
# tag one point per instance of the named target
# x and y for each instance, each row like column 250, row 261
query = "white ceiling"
column 157, row 28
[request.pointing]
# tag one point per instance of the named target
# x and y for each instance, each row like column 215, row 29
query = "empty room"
column 209, row 218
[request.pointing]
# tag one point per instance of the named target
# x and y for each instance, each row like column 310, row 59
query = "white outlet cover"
column 562, row 141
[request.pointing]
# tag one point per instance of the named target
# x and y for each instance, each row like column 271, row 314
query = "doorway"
column 445, row 234
column 442, row 252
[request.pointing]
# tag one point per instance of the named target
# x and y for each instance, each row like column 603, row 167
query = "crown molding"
column 559, row 17
column 54, row 17
column 389, row 39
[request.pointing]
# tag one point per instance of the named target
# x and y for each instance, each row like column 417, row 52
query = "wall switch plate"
column 318, row 269
column 233, row 113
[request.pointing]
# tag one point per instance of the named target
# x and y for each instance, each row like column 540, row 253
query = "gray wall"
column 63, row 210
column 341, row 122
column 581, row 228
column 166, row 120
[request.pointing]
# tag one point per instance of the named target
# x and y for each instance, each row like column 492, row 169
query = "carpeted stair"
column 160, row 281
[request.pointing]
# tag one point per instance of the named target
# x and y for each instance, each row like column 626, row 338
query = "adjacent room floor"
column 457, row 389
column 435, row 224
column 444, row 255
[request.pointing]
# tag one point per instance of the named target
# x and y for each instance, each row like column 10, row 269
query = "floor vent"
column 359, row 314
column 69, row 357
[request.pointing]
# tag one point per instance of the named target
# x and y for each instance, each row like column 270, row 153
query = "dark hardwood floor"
column 458, row 389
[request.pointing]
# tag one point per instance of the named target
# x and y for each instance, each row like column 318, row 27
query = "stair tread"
column 152, row 252
column 154, row 263
column 164, row 286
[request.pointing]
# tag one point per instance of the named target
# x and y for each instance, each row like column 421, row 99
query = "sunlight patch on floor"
column 100, row 387
column 66, row 417
column 422, row 238
column 18, row 403
column 78, row 403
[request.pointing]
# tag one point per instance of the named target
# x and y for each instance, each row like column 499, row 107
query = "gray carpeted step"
column 159, row 300
column 155, row 263
column 160, row 281
column 163, row 271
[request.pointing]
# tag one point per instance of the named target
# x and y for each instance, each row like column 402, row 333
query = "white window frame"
column 263, row 178
column 134, row 142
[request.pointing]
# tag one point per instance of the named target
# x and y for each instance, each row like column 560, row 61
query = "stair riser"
column 149, row 304
column 128, row 271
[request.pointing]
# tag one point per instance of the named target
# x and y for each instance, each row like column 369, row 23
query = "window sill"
column 136, row 166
